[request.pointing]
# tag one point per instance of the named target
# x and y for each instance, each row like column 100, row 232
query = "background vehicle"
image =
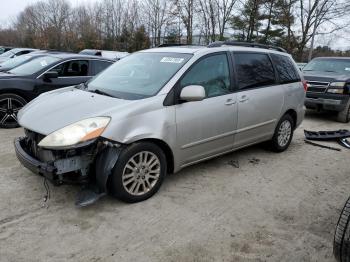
column 4, row 49
column 15, row 52
column 115, row 55
column 328, row 80
column 159, row 110
column 20, row 60
column 341, row 244
column 301, row 65
column 44, row 73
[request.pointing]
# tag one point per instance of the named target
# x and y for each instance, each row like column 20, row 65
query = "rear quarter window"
column 285, row 69
column 253, row 70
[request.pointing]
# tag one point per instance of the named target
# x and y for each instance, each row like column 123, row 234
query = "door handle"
column 243, row 98
column 230, row 101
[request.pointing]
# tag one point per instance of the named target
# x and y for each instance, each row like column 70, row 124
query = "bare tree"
column 224, row 13
column 157, row 17
column 185, row 11
column 208, row 14
column 312, row 14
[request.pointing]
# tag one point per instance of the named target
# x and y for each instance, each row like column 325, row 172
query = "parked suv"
column 328, row 80
column 157, row 111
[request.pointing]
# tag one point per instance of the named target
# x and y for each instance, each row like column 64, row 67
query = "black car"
column 328, row 80
column 45, row 73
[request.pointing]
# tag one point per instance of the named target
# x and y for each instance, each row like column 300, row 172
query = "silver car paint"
column 194, row 131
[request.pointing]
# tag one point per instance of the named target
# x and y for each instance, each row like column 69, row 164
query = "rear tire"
column 283, row 134
column 138, row 173
column 341, row 244
column 10, row 104
column 344, row 116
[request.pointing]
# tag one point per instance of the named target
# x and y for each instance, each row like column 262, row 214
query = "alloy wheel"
column 141, row 173
column 9, row 108
column 284, row 133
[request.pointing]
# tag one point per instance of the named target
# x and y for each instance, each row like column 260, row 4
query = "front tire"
column 344, row 116
column 10, row 104
column 341, row 244
column 283, row 134
column 138, row 173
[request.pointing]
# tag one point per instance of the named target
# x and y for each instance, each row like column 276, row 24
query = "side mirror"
column 50, row 75
column 192, row 93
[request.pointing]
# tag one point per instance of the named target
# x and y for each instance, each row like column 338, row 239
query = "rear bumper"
column 34, row 165
column 326, row 101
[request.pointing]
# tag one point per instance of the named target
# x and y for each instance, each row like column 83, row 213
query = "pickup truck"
column 328, row 85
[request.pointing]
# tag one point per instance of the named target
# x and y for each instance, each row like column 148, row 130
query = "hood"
column 57, row 109
column 325, row 76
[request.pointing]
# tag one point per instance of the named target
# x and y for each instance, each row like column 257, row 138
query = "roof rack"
column 171, row 44
column 176, row 44
column 247, row 44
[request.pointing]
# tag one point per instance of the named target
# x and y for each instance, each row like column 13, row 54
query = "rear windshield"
column 35, row 65
column 329, row 65
column 12, row 63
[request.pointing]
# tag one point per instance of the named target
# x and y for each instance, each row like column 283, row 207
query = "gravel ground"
column 251, row 205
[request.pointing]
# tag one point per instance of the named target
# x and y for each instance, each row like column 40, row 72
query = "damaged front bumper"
column 89, row 164
column 60, row 167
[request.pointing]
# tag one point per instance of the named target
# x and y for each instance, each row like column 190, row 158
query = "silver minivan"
column 158, row 111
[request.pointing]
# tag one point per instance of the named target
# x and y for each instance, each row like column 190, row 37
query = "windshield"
column 16, row 61
column 329, row 65
column 139, row 75
column 7, row 54
column 34, row 66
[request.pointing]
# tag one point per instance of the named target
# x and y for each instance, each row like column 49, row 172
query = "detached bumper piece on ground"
column 339, row 136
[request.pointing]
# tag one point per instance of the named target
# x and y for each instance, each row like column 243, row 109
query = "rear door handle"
column 230, row 101
column 243, row 98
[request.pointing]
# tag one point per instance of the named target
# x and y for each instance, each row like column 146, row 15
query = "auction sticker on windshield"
column 43, row 63
column 172, row 60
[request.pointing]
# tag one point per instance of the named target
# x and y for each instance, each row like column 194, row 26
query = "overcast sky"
column 10, row 9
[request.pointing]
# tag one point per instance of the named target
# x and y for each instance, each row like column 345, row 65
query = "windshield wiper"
column 100, row 92
column 82, row 86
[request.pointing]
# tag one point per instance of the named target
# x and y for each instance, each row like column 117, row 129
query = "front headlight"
column 336, row 88
column 76, row 133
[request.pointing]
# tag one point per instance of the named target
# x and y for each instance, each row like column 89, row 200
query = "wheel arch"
column 294, row 116
column 166, row 149
column 15, row 92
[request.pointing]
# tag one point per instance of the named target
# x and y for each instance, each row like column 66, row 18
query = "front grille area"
column 317, row 87
column 33, row 140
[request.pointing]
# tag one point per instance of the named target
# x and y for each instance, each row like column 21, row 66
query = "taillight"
column 304, row 85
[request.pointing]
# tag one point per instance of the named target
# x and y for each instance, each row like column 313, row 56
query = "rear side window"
column 72, row 68
column 285, row 69
column 254, row 70
column 99, row 66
